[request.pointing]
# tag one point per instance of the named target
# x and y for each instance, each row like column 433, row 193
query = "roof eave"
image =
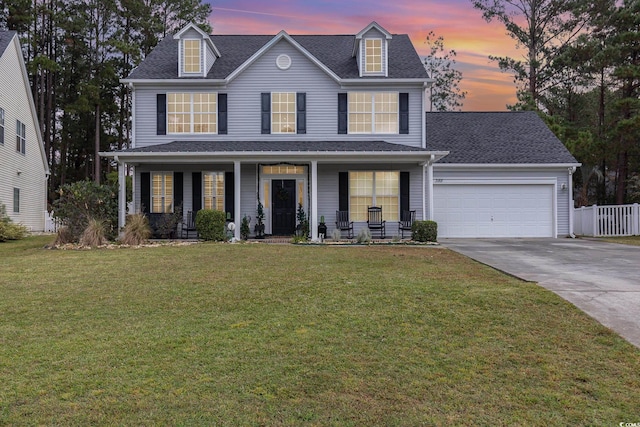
column 504, row 165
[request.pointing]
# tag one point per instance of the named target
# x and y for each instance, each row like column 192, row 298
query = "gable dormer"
column 371, row 50
column 196, row 52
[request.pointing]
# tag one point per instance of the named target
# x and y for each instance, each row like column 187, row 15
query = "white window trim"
column 164, row 192
column 373, row 186
column 295, row 114
column 215, row 174
column 192, row 114
column 181, row 56
column 373, row 114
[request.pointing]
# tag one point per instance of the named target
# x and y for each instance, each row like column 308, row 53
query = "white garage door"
column 494, row 210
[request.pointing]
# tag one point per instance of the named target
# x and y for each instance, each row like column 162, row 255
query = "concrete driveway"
column 602, row 279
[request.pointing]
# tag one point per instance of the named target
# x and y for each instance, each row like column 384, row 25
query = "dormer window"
column 373, row 55
column 192, row 56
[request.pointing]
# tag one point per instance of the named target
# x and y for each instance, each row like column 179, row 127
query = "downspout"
column 571, row 208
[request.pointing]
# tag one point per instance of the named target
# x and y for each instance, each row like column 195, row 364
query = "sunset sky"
column 462, row 27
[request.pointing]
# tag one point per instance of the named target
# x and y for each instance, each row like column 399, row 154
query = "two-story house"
column 331, row 123
column 23, row 164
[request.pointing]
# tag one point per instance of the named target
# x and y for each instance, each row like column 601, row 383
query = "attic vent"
column 283, row 62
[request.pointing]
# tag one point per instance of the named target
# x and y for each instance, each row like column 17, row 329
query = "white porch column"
column 237, row 220
column 427, row 211
column 313, row 223
column 122, row 195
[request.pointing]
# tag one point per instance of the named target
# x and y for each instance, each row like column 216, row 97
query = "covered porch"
column 320, row 177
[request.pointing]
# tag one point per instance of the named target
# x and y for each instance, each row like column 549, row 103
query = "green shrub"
column 82, row 201
column 244, row 228
column 63, row 237
column 424, row 231
column 136, row 230
column 211, row 225
column 8, row 229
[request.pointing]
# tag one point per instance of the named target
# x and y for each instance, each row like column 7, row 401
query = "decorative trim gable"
column 208, row 50
column 282, row 35
column 360, row 54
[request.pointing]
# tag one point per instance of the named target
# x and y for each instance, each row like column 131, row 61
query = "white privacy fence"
column 617, row 220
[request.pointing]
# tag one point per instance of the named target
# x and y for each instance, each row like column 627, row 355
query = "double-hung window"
column 380, row 188
column 21, row 137
column 213, row 190
column 192, row 112
column 161, row 192
column 373, row 55
column 283, row 112
column 192, row 55
column 1, row 126
column 373, row 112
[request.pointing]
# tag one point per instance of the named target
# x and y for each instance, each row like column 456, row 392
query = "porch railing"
column 604, row 221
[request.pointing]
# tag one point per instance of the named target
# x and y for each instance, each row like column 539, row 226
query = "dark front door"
column 284, row 206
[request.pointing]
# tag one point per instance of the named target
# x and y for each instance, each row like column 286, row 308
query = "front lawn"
column 254, row 334
column 627, row 240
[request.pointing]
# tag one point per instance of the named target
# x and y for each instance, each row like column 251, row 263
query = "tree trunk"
column 96, row 176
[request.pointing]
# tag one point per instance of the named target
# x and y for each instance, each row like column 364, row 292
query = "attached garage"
column 495, row 209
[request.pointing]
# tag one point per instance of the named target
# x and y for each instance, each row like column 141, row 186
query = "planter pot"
column 322, row 229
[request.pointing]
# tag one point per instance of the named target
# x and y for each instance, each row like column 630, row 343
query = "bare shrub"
column 63, row 237
column 137, row 230
column 94, row 234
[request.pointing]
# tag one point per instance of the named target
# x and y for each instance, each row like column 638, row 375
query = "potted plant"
column 244, row 228
column 322, row 227
column 302, row 229
column 259, row 228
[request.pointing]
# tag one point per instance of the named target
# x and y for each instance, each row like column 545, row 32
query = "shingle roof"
column 495, row 138
column 334, row 51
column 5, row 39
column 274, row 146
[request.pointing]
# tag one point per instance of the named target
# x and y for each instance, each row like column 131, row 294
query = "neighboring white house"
column 332, row 123
column 23, row 163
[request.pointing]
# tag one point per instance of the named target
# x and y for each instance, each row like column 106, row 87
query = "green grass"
column 627, row 240
column 253, row 334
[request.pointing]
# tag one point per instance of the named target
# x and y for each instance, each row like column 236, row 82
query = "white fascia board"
column 282, row 35
column 505, row 165
column 256, row 156
column 377, row 26
column 174, row 82
column 32, row 105
column 382, row 81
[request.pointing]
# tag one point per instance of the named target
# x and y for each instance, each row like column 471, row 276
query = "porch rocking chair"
column 343, row 223
column 188, row 225
column 375, row 221
column 406, row 221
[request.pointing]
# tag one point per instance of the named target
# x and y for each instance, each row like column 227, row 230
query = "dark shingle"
column 5, row 39
column 274, row 146
column 334, row 51
column 495, row 138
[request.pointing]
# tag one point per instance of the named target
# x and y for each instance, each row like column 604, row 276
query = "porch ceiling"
column 247, row 151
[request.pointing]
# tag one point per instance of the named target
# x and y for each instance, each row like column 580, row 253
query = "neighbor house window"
column 374, row 189
column 192, row 56
column 373, row 55
column 21, row 137
column 373, row 112
column 1, row 126
column 16, row 200
column 283, row 112
column 213, row 190
column 161, row 192
column 192, row 112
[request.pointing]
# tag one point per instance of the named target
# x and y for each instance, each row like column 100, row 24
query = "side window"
column 1, row 126
column 21, row 137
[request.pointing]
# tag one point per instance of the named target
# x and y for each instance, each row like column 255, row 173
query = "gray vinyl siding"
column 560, row 175
column 210, row 58
column 263, row 76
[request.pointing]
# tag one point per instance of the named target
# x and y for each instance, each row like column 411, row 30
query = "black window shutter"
column 343, row 191
column 196, row 188
column 301, row 106
column 404, row 113
column 265, row 109
column 342, row 113
column 229, row 193
column 161, row 110
column 178, row 190
column 145, row 192
column 222, row 113
column 404, row 191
